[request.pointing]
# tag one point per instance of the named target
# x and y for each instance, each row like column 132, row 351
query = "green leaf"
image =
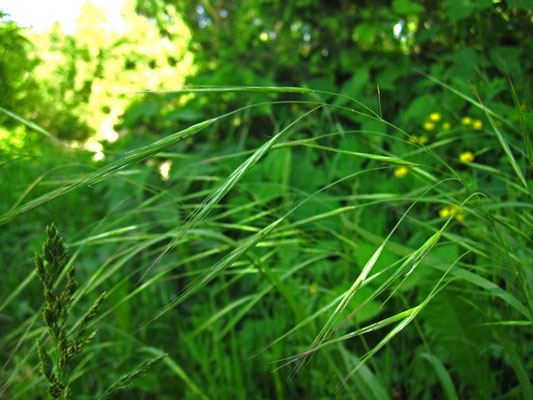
column 460, row 9
column 507, row 59
column 457, row 10
column 387, row 77
column 365, row 32
column 354, row 86
column 521, row 4
column 406, row 7
column 185, row 114
column 466, row 64
column 443, row 375
column 419, row 109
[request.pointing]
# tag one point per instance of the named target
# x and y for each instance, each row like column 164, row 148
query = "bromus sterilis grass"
column 309, row 242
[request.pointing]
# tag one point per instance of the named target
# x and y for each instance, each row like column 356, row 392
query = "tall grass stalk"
column 386, row 259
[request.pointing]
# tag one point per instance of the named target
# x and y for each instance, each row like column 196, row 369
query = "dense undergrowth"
column 314, row 261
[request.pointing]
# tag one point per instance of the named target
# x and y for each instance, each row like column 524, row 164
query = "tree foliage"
column 82, row 82
column 356, row 47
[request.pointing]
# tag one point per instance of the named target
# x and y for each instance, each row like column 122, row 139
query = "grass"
column 297, row 265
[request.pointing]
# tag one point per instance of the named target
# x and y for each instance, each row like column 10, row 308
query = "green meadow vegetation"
column 269, row 200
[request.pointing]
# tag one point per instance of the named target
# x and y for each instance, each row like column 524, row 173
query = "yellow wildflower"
column 446, row 126
column 400, row 172
column 444, row 212
column 451, row 211
column 429, row 126
column 312, row 289
column 418, row 139
column 466, row 121
column 466, row 157
column 477, row 125
column 455, row 210
column 236, row 121
column 435, row 116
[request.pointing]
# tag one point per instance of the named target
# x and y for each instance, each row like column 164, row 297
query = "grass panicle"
column 66, row 345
